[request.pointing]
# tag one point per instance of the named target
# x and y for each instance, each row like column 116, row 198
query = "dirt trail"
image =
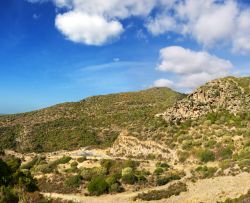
column 206, row 190
column 125, row 197
column 213, row 190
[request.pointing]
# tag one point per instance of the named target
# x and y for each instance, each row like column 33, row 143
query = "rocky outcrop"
column 129, row 146
column 218, row 94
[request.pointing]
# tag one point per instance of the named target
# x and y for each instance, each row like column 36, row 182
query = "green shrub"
column 74, row 164
column 24, row 180
column 81, row 159
column 140, row 178
column 7, row 195
column 162, row 165
column 45, row 168
column 30, row 164
column 165, row 180
column 130, row 163
column 158, row 171
column 73, row 181
column 5, row 172
column 127, row 171
column 87, row 174
column 244, row 153
column 205, row 172
column 206, row 155
column 129, row 179
column 225, row 153
column 115, row 188
column 174, row 189
column 13, row 163
column 98, row 186
column 2, row 153
column 63, row 160
column 112, row 179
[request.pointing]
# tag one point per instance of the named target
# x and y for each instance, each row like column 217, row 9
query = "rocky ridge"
column 226, row 94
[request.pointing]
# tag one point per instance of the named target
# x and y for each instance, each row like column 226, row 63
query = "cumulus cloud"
column 95, row 22
column 241, row 42
column 161, row 24
column 209, row 22
column 163, row 83
column 184, row 61
column 84, row 28
column 192, row 68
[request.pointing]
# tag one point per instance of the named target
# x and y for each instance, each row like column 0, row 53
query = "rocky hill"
column 96, row 120
column 197, row 150
column 231, row 94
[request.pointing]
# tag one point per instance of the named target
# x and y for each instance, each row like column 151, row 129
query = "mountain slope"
column 231, row 94
column 212, row 123
column 94, row 121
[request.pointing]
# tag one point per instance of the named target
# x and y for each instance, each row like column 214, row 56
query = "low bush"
column 74, row 164
column 30, row 164
column 127, row 171
column 73, row 181
column 129, row 179
column 166, row 179
column 162, row 165
column 13, row 163
column 115, row 188
column 174, row 189
column 205, row 172
column 7, row 195
column 98, row 186
column 81, row 159
column 112, row 179
column 225, row 153
column 205, row 155
column 158, row 171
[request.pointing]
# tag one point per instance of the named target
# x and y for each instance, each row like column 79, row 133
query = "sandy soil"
column 206, row 190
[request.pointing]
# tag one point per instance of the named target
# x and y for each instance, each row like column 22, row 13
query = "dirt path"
column 213, row 190
column 125, row 197
column 206, row 190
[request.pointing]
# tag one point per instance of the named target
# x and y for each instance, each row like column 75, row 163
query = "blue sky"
column 53, row 51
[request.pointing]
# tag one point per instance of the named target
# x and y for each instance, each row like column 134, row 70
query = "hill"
column 212, row 123
column 228, row 94
column 159, row 145
column 96, row 120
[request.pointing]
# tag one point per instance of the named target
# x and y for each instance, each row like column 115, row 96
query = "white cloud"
column 87, row 29
column 191, row 81
column 63, row 3
column 163, row 83
column 192, row 68
column 95, row 22
column 209, row 22
column 161, row 24
column 184, row 61
column 242, row 36
column 216, row 24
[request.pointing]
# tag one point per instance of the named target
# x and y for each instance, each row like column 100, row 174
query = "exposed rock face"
column 218, row 94
column 129, row 146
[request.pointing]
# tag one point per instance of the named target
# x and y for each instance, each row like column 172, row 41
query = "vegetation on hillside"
column 94, row 121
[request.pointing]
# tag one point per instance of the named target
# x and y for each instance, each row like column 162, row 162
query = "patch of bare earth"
column 205, row 190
